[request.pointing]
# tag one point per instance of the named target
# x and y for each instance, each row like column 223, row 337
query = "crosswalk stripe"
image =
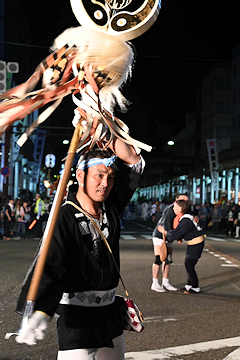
column 168, row 353
column 128, row 237
column 215, row 239
column 149, row 237
column 229, row 265
column 235, row 355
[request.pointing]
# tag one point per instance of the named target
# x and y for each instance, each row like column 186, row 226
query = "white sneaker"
column 169, row 287
column 158, row 288
column 197, row 290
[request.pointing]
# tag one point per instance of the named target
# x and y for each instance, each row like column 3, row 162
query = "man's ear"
column 80, row 176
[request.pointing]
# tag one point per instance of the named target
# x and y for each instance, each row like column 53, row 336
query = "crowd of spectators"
column 17, row 215
column 223, row 217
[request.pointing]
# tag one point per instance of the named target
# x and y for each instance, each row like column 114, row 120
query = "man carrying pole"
column 79, row 279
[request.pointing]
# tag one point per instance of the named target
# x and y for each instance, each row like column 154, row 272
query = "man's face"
column 99, row 181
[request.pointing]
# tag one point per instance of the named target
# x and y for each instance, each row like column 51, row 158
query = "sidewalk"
column 30, row 234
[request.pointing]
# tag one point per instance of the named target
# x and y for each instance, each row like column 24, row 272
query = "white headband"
column 97, row 161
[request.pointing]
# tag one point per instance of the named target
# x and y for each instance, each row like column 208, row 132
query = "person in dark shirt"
column 8, row 219
column 192, row 232
column 170, row 221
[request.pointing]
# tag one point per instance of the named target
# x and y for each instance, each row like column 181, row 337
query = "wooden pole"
column 48, row 233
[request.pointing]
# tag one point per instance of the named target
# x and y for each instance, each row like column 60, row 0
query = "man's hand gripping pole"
column 47, row 236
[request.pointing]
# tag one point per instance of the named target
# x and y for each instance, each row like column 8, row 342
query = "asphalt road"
column 177, row 326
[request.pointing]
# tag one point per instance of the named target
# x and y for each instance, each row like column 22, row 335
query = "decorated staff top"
column 90, row 62
column 127, row 19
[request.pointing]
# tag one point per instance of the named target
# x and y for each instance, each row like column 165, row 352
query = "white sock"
column 155, row 282
column 165, row 281
column 237, row 231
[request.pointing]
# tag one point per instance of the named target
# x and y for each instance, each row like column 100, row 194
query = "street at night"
column 177, row 325
column 76, row 79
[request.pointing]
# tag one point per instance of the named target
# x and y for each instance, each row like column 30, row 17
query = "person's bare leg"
column 155, row 284
column 155, row 271
column 165, row 272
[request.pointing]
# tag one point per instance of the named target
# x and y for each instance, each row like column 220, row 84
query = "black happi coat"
column 188, row 229
column 71, row 267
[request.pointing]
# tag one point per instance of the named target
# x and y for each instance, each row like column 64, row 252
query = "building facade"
column 217, row 118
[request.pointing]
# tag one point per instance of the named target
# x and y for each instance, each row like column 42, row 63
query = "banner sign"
column 17, row 129
column 39, row 141
column 213, row 161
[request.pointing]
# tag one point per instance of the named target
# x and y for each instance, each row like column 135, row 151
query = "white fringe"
column 109, row 53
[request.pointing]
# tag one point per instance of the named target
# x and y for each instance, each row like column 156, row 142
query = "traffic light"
column 13, row 67
column 3, row 76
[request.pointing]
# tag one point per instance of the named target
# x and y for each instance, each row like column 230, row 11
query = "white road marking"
column 215, row 239
column 167, row 353
column 238, row 289
column 128, row 237
column 170, row 319
column 229, row 265
column 235, row 355
column 152, row 319
column 149, row 237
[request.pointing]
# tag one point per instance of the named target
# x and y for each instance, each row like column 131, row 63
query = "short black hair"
column 180, row 194
column 184, row 205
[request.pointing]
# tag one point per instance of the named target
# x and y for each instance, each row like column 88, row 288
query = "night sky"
column 172, row 56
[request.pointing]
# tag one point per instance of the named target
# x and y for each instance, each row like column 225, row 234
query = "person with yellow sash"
column 39, row 211
column 190, row 231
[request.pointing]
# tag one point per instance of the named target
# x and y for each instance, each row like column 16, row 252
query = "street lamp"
column 46, row 184
column 170, row 142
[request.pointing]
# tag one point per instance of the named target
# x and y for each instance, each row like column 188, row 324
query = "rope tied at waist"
column 196, row 240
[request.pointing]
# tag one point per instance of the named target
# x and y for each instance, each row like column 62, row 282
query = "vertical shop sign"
column 39, row 142
column 213, row 161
